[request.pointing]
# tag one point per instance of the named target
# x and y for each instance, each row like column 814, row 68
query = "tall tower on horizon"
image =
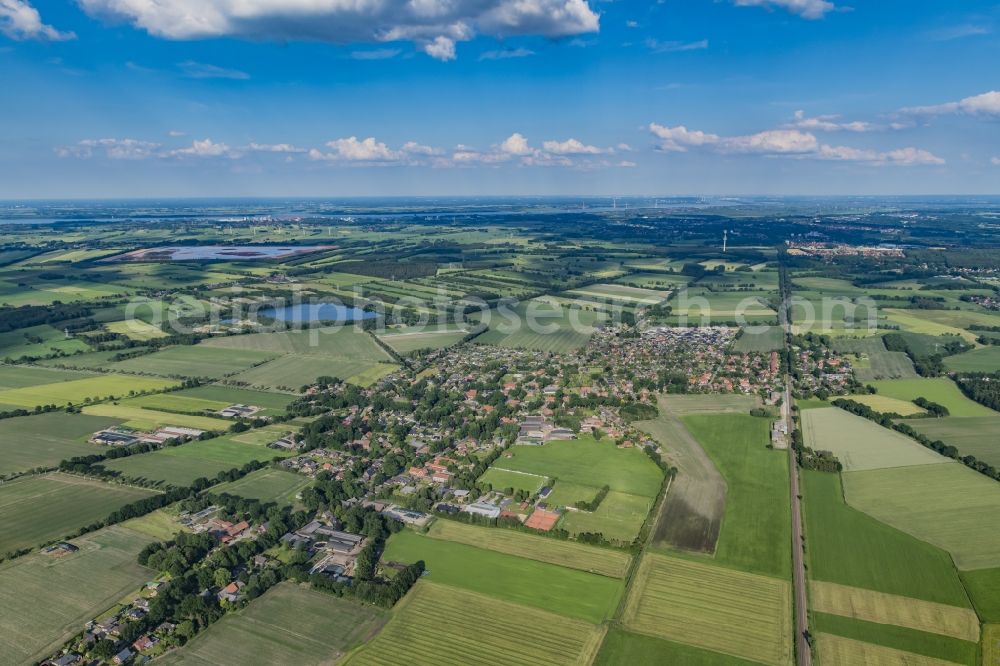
column 725, row 238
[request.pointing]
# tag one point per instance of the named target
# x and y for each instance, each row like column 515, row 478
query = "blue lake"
column 312, row 312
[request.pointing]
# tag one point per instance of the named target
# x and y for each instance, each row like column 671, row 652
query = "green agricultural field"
column 927, row 323
column 340, row 342
column 575, row 594
column 565, row 493
column 86, row 361
column 832, row 649
column 431, row 627
column 935, row 646
column 977, row 436
column 38, row 509
column 36, row 341
column 849, row 547
column 267, row 485
column 709, row 403
column 938, row 389
column 135, row 329
column 984, row 589
column 707, row 606
column 604, row 561
column 180, row 465
column 587, row 462
column 295, row 370
column 45, row 599
column 618, row 292
column 871, row 361
column 149, row 419
column 862, row 444
column 25, row 376
column 212, row 398
column 770, row 338
column 557, row 329
column 194, row 361
column 619, row 517
column 501, row 479
column 756, row 528
column 77, row 391
column 623, row 647
column 986, row 359
column 407, row 342
column 886, row 405
column 44, row 440
column 882, row 608
column 161, row 524
column 700, row 305
column 946, row 505
column 289, row 624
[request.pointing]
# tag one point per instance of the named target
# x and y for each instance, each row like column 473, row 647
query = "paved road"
column 802, row 647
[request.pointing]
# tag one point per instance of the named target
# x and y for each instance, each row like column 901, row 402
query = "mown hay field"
column 45, row 599
column 729, row 611
column 899, row 638
column 42, row 440
column 604, row 561
column 37, row 509
column 520, row 580
column 950, row 506
column 839, row 650
column 872, row 606
column 862, row 444
column 431, row 627
column 289, row 624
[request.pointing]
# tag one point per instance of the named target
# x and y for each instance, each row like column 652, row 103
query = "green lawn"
column 618, row 518
column 588, row 462
column 501, row 479
column 936, row 389
column 756, row 528
column 37, row 509
column 848, row 547
column 267, row 485
column 557, row 589
column 43, row 440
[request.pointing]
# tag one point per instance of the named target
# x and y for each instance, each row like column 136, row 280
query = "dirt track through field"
column 692, row 512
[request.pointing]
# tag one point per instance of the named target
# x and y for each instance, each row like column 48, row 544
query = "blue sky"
column 103, row 98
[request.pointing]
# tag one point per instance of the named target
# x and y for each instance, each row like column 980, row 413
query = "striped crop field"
column 432, row 626
column 736, row 613
column 892, row 609
column 839, row 650
column 604, row 561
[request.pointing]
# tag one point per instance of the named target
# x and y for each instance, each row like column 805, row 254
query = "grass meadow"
column 149, row 419
column 977, row 436
column 936, row 389
column 624, row 647
column 935, row 646
column 43, row 440
column 267, row 485
column 193, row 361
column 76, row 391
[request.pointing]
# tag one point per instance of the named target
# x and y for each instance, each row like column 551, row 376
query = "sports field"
column 267, row 485
column 946, row 505
column 565, row 493
column 624, row 647
column 42, row 440
column 550, row 587
column 194, row 361
column 977, row 436
column 431, row 627
column 900, row 638
column 76, row 391
column 619, row 517
column 180, row 465
column 604, row 561
column 729, row 611
column 587, row 462
column 862, row 444
column 850, row 547
column 37, row 509
column 936, row 389
column 883, row 608
column 148, row 419
column 45, row 599
column 839, row 650
column 756, row 528
column 289, row 624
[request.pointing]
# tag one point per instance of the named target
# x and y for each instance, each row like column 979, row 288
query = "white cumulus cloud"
column 830, row 123
column 808, row 9
column 115, row 149
column 572, row 147
column 19, row 20
column 986, row 104
column 204, row 148
column 679, row 139
column 434, row 25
